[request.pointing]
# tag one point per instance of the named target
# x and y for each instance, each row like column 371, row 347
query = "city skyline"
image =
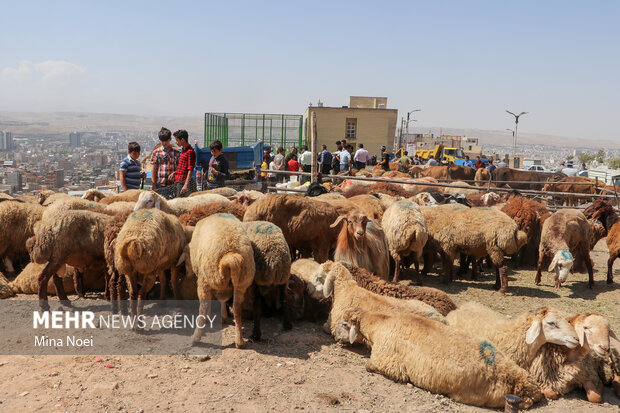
column 463, row 64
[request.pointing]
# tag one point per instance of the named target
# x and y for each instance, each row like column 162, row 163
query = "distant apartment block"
column 6, row 141
column 55, row 179
column 14, row 179
column 75, row 139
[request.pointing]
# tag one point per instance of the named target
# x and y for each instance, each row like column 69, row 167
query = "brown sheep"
column 17, row 221
column 565, row 234
column 192, row 217
column 370, row 204
column 431, row 296
column 567, row 185
column 529, row 216
column 603, row 211
column 361, row 242
column 482, row 177
column 304, row 222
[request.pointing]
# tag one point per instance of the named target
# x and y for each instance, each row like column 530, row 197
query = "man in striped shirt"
column 130, row 174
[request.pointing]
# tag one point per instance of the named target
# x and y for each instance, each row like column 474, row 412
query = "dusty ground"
column 300, row 370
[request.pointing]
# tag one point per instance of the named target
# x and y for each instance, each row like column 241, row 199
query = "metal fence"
column 241, row 129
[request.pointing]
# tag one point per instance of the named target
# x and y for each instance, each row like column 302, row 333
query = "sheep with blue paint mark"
column 437, row 357
column 405, row 230
column 272, row 262
column 565, row 236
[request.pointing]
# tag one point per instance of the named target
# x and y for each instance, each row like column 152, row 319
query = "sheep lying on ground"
column 149, row 242
column 520, row 338
column 5, row 289
column 224, row 191
column 559, row 370
column 223, row 260
column 334, row 280
column 17, row 222
column 177, row 206
column 27, row 282
column 247, row 197
column 565, row 234
column 303, row 221
column 483, row 199
column 406, row 234
column 431, row 296
column 361, row 242
column 529, row 216
column 316, row 306
column 436, row 357
column 272, row 263
column 476, row 232
column 192, row 217
column 379, row 187
column 67, row 237
column 469, row 190
column 424, row 199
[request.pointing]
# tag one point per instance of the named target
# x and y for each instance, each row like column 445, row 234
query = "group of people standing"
column 172, row 170
column 344, row 158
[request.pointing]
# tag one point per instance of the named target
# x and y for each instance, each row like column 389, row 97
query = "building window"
column 351, row 131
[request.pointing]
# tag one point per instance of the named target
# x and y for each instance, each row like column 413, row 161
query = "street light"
column 514, row 145
column 408, row 114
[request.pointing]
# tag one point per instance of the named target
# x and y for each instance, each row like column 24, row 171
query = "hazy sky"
column 462, row 62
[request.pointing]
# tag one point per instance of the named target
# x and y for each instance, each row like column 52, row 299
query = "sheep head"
column 562, row 263
column 593, row 332
column 348, row 328
column 424, row 199
column 549, row 327
column 328, row 272
column 355, row 222
column 148, row 200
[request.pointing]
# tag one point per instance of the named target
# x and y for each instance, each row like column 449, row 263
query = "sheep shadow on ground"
column 485, row 281
column 580, row 288
column 303, row 339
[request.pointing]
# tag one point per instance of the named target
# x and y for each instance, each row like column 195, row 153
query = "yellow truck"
column 443, row 154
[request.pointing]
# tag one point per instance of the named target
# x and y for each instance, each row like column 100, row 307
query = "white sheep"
column 149, row 242
column 177, row 206
column 436, row 357
column 223, row 260
column 520, row 338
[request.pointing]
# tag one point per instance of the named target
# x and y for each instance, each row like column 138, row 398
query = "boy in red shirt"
column 183, row 176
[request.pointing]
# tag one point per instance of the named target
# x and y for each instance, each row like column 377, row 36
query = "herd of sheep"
column 338, row 257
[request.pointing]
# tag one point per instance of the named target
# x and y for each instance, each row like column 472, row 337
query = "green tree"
column 585, row 157
column 600, row 156
column 569, row 157
column 613, row 163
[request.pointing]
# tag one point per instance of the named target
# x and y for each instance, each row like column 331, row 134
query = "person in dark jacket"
column 218, row 166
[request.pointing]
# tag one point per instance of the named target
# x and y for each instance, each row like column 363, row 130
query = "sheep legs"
column 502, row 272
column 60, row 290
column 50, row 269
column 610, row 266
column 541, row 262
column 237, row 303
column 396, row 270
column 258, row 312
column 204, row 310
column 286, row 314
column 588, row 261
column 8, row 265
column 78, row 282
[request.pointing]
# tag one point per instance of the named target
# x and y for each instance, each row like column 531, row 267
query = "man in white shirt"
column 362, row 157
column 305, row 160
column 345, row 160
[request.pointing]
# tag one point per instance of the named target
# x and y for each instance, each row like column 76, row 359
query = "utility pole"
column 407, row 123
column 514, row 134
column 313, row 177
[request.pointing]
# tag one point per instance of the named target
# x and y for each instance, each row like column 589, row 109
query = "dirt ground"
column 298, row 370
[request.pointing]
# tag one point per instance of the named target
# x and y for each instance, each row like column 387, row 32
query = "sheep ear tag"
column 533, row 332
column 567, row 255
